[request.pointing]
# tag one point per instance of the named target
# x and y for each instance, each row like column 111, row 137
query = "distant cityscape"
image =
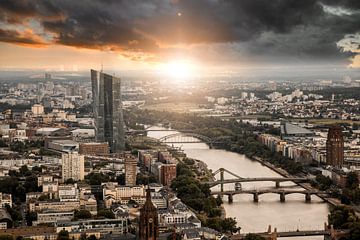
column 86, row 170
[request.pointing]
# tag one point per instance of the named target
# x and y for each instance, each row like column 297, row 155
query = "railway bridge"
column 239, row 179
column 256, row 193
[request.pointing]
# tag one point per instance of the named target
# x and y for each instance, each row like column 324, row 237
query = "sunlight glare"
column 179, row 70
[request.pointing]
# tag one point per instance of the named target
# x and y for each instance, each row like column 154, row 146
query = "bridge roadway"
column 256, row 193
column 328, row 233
column 268, row 179
column 286, row 234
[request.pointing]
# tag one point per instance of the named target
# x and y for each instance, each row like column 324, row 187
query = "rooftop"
column 291, row 129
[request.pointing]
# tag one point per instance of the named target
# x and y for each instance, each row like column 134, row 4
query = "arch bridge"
column 328, row 232
column 238, row 179
column 256, row 193
column 186, row 137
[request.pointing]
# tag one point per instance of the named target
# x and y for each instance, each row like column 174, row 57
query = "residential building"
column 130, row 171
column 5, row 199
column 168, row 174
column 72, row 166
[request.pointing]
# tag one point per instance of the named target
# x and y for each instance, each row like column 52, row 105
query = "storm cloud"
column 254, row 29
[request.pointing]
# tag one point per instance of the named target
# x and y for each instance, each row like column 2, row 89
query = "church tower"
column 148, row 225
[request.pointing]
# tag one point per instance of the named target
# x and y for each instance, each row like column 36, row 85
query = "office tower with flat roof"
column 107, row 106
column 335, row 147
column 72, row 166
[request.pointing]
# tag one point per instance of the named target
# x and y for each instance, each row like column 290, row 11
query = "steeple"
column 148, row 224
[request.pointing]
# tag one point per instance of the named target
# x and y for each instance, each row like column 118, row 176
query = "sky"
column 206, row 34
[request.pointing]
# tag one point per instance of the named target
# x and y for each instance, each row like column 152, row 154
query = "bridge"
column 328, row 232
column 185, row 137
column 239, row 179
column 256, row 193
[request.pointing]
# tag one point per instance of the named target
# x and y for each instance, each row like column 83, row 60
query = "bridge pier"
column 282, row 197
column 222, row 179
column 256, row 197
column 307, row 197
column 230, row 198
column 277, row 184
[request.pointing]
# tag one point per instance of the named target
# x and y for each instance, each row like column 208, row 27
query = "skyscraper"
column 108, row 114
column 335, row 147
column 72, row 166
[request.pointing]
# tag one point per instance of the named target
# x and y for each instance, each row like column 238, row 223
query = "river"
column 255, row 217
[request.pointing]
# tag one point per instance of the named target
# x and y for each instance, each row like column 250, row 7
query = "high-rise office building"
column 335, row 147
column 108, row 114
column 168, row 174
column 72, row 166
column 130, row 171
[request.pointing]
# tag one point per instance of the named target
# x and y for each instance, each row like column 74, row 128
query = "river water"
column 256, row 217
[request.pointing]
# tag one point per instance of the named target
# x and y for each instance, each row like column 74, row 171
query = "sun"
column 179, row 70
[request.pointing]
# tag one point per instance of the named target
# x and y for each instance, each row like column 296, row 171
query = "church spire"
column 148, row 224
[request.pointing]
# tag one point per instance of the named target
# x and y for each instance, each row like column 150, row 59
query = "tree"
column 82, row 214
column 121, row 179
column 91, row 237
column 341, row 217
column 70, row 181
column 97, row 178
column 352, row 180
column 63, row 235
column 36, row 169
column 252, row 236
column 15, row 214
column 6, row 237
column 229, row 225
column 106, row 213
column 355, row 231
column 30, row 217
column 24, row 170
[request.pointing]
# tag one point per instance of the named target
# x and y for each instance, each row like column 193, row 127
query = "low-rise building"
column 113, row 193
column 94, row 148
column 52, row 218
column 5, row 199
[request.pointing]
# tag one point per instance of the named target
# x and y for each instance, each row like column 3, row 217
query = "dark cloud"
column 22, row 38
column 276, row 29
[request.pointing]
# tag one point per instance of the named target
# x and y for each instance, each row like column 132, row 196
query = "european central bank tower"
column 108, row 113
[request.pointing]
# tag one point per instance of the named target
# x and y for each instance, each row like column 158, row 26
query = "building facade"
column 108, row 114
column 168, row 174
column 72, row 166
column 130, row 172
column 94, row 148
column 335, row 147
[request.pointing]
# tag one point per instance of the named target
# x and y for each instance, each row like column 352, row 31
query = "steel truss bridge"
column 185, row 137
column 256, row 193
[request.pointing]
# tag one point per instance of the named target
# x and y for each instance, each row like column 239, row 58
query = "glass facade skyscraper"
column 107, row 107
